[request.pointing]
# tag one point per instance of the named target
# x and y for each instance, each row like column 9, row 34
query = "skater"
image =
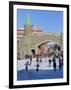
column 40, row 60
column 54, row 63
column 37, row 67
column 60, row 63
column 26, row 66
column 49, row 62
column 62, row 59
column 37, row 61
column 30, row 59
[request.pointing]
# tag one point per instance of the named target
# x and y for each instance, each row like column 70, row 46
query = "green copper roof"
column 28, row 20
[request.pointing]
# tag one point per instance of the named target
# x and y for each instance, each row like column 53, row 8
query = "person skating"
column 37, row 61
column 37, row 67
column 54, row 63
column 30, row 59
column 26, row 66
column 60, row 63
column 49, row 62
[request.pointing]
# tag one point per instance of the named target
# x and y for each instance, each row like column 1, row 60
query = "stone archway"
column 44, row 44
column 40, row 44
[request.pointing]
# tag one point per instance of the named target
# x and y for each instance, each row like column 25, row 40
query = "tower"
column 28, row 34
column 28, row 26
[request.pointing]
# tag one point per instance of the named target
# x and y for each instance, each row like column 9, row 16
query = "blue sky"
column 48, row 21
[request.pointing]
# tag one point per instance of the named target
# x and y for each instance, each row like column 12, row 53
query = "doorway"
column 33, row 51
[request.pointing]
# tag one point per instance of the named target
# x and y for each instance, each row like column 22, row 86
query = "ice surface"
column 43, row 66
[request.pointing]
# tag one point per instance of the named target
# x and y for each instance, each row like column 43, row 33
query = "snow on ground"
column 43, row 66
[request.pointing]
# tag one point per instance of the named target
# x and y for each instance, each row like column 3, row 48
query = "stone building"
column 30, row 39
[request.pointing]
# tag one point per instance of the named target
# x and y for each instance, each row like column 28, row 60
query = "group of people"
column 52, row 61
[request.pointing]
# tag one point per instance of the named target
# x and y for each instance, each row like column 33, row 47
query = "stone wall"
column 26, row 43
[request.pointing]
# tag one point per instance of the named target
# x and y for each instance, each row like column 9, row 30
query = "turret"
column 28, row 26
